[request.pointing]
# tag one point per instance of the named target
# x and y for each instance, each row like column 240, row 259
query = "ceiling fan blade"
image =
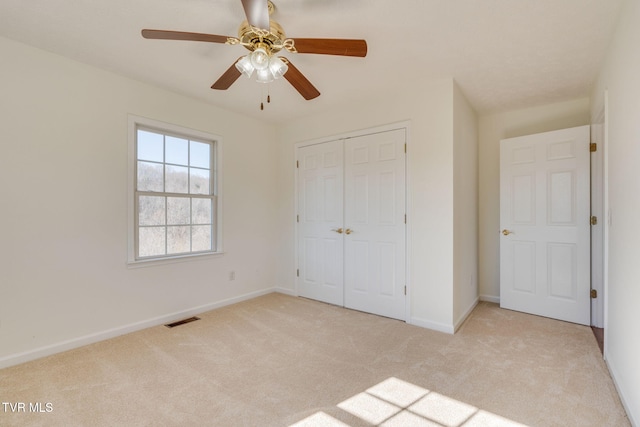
column 181, row 35
column 228, row 78
column 344, row 47
column 299, row 81
column 257, row 12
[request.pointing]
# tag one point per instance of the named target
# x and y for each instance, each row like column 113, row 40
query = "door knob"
column 339, row 230
column 348, row 231
column 506, row 232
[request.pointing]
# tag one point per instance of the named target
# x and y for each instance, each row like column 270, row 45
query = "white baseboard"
column 490, row 298
column 465, row 314
column 623, row 399
column 285, row 291
column 429, row 324
column 16, row 359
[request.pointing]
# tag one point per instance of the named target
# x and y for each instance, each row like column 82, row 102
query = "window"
column 175, row 201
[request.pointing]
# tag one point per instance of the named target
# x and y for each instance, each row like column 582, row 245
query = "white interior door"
column 375, row 223
column 320, row 218
column 545, row 224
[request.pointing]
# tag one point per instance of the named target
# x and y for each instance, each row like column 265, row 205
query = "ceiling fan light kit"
column 264, row 37
column 267, row 68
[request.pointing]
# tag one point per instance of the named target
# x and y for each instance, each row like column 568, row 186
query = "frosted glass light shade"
column 264, row 76
column 259, row 59
column 244, row 66
column 277, row 67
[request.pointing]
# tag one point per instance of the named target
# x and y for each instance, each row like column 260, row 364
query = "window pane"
column 200, row 155
column 151, row 210
column 150, row 146
column 177, row 210
column 150, row 241
column 201, row 211
column 177, row 179
column 201, row 239
column 178, row 240
column 174, row 200
column 177, row 151
column 149, row 177
column 199, row 181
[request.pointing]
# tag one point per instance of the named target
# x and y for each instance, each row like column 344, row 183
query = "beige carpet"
column 279, row 361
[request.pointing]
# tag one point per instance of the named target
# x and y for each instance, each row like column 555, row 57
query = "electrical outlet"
column 232, row 275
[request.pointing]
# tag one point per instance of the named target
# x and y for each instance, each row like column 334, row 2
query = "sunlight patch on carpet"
column 369, row 408
column 320, row 419
column 394, row 402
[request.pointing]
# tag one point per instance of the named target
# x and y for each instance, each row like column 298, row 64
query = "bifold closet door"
column 375, row 229
column 351, row 223
column 320, row 216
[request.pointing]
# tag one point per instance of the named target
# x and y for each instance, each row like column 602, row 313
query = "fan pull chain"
column 262, row 98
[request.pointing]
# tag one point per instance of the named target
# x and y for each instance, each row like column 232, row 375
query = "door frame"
column 343, row 136
column 602, row 117
column 598, row 133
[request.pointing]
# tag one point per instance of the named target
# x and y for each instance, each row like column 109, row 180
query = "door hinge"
column 297, row 218
column 594, row 293
column 297, row 164
column 593, row 147
column 298, row 273
column 405, row 147
column 405, row 290
column 594, row 220
column 405, row 218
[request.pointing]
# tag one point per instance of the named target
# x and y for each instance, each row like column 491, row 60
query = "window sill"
column 172, row 260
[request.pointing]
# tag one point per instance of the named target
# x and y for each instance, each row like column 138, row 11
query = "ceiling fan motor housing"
column 252, row 38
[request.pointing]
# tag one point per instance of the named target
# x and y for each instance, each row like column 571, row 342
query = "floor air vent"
column 182, row 322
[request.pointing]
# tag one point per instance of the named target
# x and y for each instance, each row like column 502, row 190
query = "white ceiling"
column 504, row 54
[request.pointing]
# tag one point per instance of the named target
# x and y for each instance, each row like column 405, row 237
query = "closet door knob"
column 348, row 231
column 339, row 230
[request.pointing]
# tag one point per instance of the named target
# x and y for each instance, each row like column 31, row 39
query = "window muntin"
column 175, row 195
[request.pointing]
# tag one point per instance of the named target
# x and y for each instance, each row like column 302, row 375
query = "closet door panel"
column 375, row 248
column 320, row 207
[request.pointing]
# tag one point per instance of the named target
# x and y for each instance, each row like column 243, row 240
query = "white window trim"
column 133, row 123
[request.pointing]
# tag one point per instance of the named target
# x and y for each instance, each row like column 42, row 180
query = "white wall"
column 465, row 206
column 619, row 77
column 64, row 280
column 429, row 108
column 493, row 128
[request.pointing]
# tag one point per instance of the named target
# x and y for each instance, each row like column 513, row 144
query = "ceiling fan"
column 264, row 37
